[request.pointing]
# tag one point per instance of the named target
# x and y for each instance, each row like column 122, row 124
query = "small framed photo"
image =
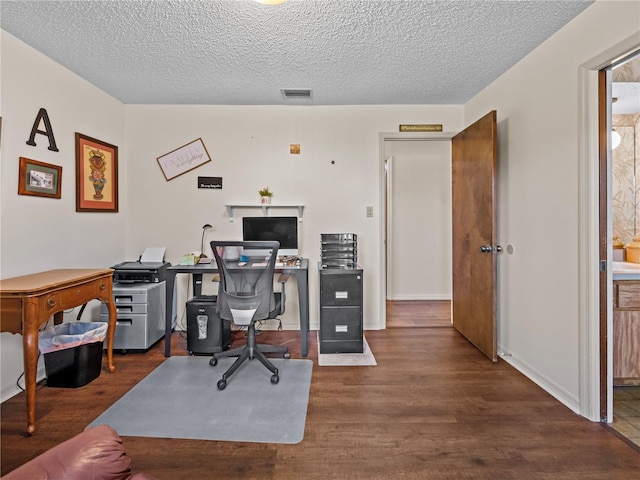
column 39, row 179
column 96, row 175
column 184, row 159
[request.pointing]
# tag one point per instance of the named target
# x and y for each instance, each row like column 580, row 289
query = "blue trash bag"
column 72, row 334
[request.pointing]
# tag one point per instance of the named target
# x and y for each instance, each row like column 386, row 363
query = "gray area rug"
column 179, row 399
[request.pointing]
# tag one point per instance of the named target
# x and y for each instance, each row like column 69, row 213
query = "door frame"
column 589, row 332
column 382, row 207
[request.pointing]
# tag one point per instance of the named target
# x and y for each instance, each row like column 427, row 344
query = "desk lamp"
column 205, row 227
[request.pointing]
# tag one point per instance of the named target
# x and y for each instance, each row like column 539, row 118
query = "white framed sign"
column 183, row 159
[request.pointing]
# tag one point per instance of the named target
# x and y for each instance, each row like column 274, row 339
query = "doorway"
column 416, row 232
column 622, row 219
column 472, row 233
column 418, row 220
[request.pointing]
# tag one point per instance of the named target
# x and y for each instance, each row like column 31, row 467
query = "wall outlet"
column 369, row 212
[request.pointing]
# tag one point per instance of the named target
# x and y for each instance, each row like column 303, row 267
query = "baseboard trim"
column 565, row 397
column 13, row 390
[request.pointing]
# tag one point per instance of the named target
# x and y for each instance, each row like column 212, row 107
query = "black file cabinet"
column 341, row 310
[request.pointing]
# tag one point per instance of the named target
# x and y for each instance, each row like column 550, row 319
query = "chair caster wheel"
column 213, row 362
column 275, row 379
column 222, row 384
column 287, row 355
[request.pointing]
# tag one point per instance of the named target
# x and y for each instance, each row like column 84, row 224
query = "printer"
column 139, row 293
column 149, row 268
column 140, row 272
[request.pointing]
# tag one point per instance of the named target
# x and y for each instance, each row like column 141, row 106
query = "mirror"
column 626, row 156
column 625, row 183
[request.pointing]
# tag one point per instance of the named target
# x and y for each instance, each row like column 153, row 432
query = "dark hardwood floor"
column 433, row 408
column 418, row 313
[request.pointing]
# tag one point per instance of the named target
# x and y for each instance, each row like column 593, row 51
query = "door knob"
column 490, row 249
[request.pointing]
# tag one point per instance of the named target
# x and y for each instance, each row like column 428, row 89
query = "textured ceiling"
column 240, row 52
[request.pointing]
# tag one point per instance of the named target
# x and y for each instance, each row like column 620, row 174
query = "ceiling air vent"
column 296, row 92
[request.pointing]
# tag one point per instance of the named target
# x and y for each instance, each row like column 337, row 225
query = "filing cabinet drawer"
column 129, row 298
column 341, row 289
column 126, row 308
column 134, row 331
column 341, row 323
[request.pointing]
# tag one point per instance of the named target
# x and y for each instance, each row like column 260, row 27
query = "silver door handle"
column 486, row 249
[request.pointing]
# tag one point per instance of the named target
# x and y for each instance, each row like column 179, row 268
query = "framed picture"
column 96, row 175
column 39, row 179
column 183, row 159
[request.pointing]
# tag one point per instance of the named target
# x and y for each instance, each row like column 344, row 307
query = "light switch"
column 369, row 212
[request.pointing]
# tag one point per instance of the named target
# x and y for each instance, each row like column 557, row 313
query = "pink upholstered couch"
column 95, row 454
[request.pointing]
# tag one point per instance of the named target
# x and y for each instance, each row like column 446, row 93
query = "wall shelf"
column 264, row 207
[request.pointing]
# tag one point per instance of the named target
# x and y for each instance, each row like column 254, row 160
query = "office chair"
column 246, row 296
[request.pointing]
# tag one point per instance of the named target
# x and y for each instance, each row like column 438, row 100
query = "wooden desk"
column 27, row 302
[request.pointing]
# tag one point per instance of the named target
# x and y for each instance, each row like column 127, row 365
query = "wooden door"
column 474, row 163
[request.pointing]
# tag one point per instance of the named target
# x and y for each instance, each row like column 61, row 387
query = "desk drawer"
column 72, row 296
column 82, row 293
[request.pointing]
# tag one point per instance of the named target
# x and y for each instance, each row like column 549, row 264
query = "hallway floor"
column 626, row 412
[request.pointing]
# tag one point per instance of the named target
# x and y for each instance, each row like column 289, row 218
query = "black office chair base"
column 249, row 353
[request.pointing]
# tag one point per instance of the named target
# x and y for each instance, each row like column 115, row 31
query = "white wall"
column 43, row 233
column 419, row 229
column 250, row 149
column 537, row 105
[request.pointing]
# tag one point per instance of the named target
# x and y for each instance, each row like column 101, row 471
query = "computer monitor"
column 282, row 229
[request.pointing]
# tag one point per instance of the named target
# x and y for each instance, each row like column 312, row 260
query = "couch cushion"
column 95, row 454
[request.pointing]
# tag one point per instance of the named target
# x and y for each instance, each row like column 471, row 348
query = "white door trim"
column 588, row 232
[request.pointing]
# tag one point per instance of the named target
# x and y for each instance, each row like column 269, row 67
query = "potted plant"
column 265, row 195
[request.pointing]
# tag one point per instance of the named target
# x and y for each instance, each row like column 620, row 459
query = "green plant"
column 265, row 192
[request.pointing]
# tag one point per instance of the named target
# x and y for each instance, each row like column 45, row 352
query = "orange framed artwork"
column 96, row 175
